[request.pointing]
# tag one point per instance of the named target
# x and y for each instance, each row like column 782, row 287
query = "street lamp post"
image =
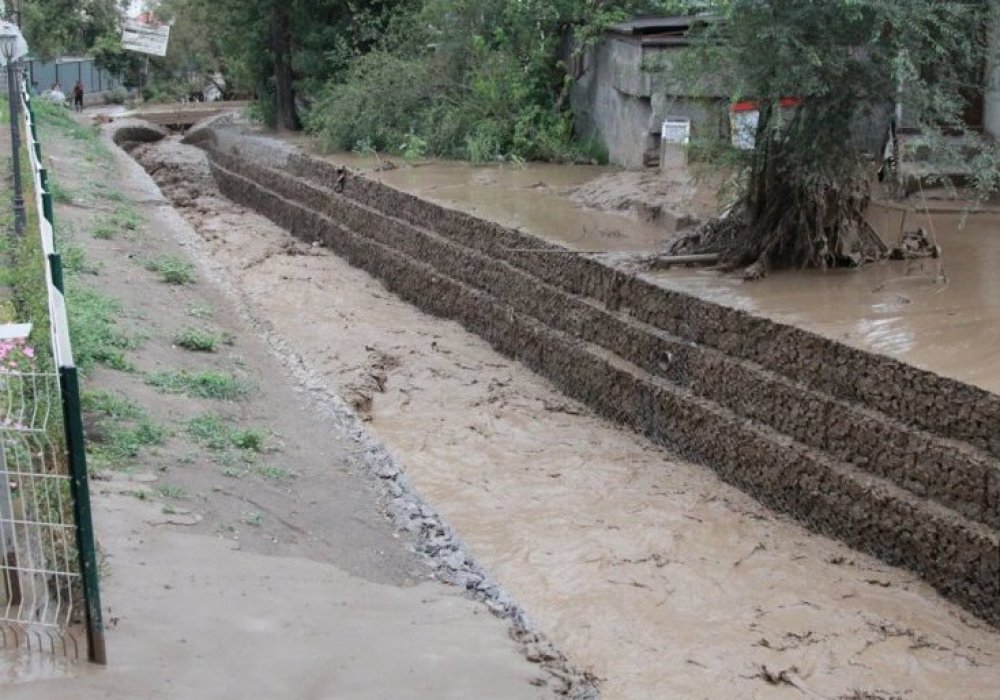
column 9, row 50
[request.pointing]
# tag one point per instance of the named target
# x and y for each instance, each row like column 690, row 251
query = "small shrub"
column 116, row 96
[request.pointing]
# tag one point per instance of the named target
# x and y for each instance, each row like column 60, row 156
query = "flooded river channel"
column 645, row 569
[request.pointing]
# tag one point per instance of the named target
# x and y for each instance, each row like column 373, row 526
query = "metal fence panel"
column 49, row 597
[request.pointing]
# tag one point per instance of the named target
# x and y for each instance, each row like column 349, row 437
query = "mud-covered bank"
column 837, row 436
column 644, row 568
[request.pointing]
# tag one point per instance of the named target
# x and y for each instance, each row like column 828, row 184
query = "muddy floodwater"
column 586, row 207
column 644, row 568
column 940, row 315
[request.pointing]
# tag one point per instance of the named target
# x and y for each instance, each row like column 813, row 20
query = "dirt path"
column 246, row 552
column 649, row 571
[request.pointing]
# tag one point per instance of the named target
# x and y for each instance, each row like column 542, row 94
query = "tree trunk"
column 284, row 79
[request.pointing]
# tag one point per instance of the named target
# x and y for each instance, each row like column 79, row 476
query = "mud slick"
column 896, row 461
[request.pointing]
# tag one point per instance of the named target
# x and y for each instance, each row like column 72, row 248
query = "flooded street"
column 643, row 568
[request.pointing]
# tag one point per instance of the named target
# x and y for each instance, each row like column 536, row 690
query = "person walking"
column 78, row 96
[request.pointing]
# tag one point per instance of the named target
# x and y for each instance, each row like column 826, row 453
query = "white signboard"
column 145, row 38
column 676, row 131
column 743, row 127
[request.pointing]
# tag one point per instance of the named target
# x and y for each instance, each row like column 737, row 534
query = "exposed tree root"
column 816, row 223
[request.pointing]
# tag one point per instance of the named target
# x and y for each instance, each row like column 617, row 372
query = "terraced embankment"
column 896, row 461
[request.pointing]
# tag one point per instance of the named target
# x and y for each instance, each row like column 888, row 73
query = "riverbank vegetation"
column 482, row 80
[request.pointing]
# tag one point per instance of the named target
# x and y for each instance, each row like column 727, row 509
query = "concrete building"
column 625, row 88
column 628, row 85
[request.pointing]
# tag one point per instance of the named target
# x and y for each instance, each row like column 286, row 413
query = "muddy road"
column 647, row 570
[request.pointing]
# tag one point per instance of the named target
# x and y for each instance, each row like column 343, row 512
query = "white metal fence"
column 49, row 599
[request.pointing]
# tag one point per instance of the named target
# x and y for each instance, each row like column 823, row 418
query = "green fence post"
column 47, row 208
column 38, row 149
column 80, row 489
column 55, row 267
column 43, row 177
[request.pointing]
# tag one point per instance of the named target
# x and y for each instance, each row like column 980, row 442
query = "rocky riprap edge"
column 448, row 557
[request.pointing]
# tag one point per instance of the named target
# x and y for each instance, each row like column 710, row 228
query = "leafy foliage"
column 476, row 79
column 848, row 62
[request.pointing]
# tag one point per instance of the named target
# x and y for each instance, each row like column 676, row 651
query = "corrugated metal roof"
column 654, row 25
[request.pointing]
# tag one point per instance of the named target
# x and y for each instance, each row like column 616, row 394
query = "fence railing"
column 49, row 595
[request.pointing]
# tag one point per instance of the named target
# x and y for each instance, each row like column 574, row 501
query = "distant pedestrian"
column 78, row 96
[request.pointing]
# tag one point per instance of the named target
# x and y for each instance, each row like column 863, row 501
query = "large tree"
column 277, row 49
column 848, row 64
column 57, row 27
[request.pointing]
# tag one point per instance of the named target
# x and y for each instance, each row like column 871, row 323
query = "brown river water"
column 940, row 315
column 644, row 568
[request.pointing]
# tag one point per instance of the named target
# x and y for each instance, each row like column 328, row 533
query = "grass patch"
column 252, row 518
column 199, row 340
column 103, row 229
column 74, row 262
column 209, row 430
column 123, row 442
column 212, row 431
column 127, row 217
column 111, row 405
column 274, row 473
column 53, row 116
column 251, row 439
column 201, row 385
column 172, row 270
column 123, row 218
column 200, row 310
column 60, row 193
column 96, row 336
column 170, row 491
column 123, row 430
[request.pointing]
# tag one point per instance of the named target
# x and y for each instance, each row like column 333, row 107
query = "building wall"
column 66, row 71
column 622, row 104
column 991, row 98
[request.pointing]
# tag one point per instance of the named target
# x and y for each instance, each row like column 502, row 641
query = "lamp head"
column 12, row 44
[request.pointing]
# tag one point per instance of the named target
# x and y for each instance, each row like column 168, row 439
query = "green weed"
column 93, row 325
column 212, row 431
column 74, row 261
column 200, row 310
column 170, row 491
column 251, row 518
column 198, row 340
column 60, row 193
column 122, row 442
column 172, row 270
column 202, row 385
column 111, row 405
column 103, row 229
column 274, row 473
